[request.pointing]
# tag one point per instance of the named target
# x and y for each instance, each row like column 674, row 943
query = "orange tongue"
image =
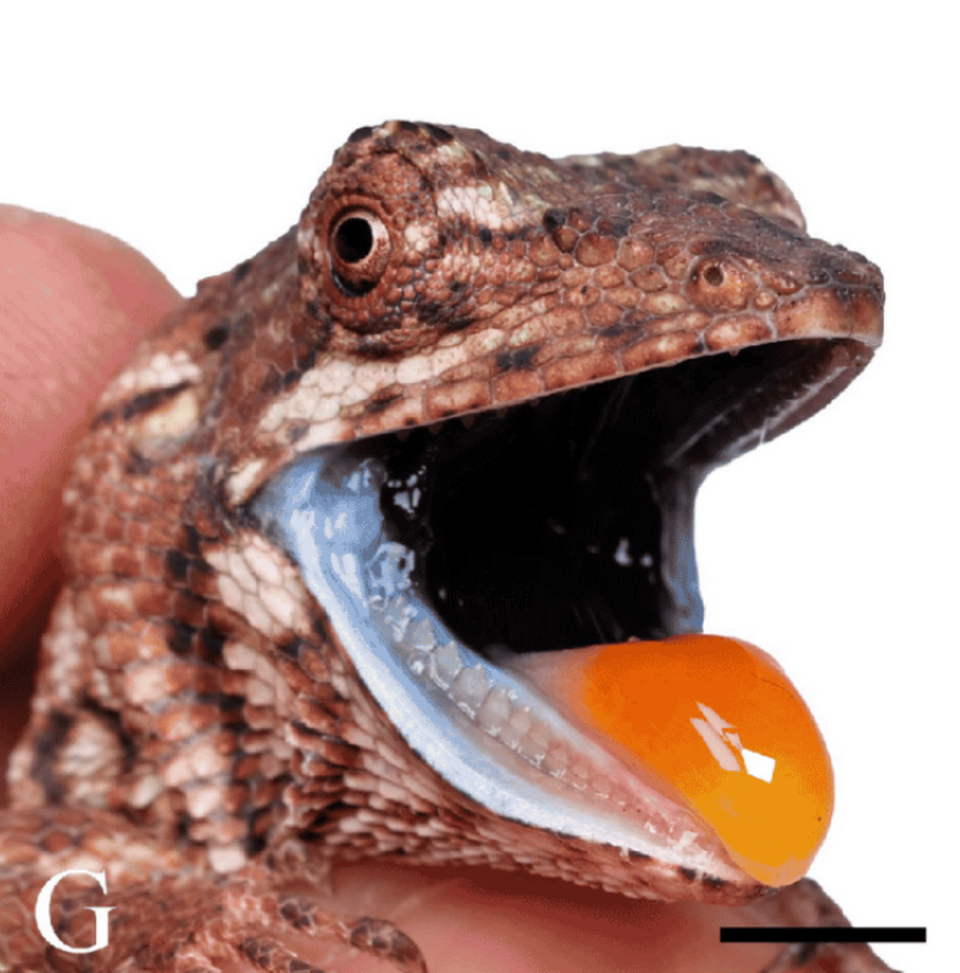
column 724, row 731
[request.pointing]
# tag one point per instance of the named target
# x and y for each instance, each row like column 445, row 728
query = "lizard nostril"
column 353, row 239
column 713, row 276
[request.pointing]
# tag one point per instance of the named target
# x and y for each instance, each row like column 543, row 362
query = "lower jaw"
column 478, row 725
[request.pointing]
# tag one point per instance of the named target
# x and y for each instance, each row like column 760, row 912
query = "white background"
column 196, row 133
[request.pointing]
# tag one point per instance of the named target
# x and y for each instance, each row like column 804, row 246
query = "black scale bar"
column 823, row 934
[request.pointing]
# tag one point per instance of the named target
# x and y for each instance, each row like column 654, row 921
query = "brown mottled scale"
column 198, row 727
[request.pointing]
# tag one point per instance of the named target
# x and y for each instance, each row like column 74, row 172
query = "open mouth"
column 469, row 567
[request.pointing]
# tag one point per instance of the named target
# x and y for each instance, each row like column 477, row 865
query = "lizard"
column 322, row 513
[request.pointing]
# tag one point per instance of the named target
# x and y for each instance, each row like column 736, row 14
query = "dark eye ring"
column 359, row 250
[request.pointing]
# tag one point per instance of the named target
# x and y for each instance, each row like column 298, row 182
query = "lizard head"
column 520, row 372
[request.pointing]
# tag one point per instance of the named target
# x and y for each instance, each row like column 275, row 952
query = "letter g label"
column 100, row 913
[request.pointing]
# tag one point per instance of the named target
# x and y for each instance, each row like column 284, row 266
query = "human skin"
column 73, row 303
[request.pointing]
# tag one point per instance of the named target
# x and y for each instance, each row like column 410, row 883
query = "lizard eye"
column 359, row 250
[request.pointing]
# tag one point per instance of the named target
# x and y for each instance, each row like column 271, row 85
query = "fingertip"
column 73, row 303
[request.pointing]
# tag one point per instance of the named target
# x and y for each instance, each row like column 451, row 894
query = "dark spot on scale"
column 291, row 377
column 621, row 163
column 191, row 538
column 147, row 401
column 430, row 312
column 254, row 844
column 215, row 337
column 301, row 921
column 271, row 384
column 212, row 642
column 553, row 219
column 241, row 270
column 410, row 127
column 182, row 827
column 47, row 742
column 291, row 648
column 138, row 465
column 481, row 170
column 440, row 135
column 517, row 358
column 103, row 419
column 111, row 720
column 713, row 882
column 688, row 873
column 714, row 199
column 485, row 235
column 208, row 485
column 321, row 336
column 377, row 350
column 308, row 731
column 296, row 432
column 458, row 324
column 359, row 134
column 772, row 228
column 380, row 403
column 180, row 637
column 625, row 325
column 711, row 248
column 614, row 226
column 177, row 564
column 637, row 855
column 290, row 912
column 457, row 285
column 306, row 358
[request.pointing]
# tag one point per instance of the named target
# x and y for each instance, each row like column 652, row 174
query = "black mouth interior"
column 569, row 522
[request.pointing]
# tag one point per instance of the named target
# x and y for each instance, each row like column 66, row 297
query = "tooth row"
column 494, row 708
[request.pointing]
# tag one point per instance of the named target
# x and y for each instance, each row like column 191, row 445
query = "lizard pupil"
column 353, row 239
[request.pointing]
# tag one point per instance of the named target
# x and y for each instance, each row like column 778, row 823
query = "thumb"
column 73, row 302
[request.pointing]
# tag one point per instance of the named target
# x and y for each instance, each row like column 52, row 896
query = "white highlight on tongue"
column 726, row 745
